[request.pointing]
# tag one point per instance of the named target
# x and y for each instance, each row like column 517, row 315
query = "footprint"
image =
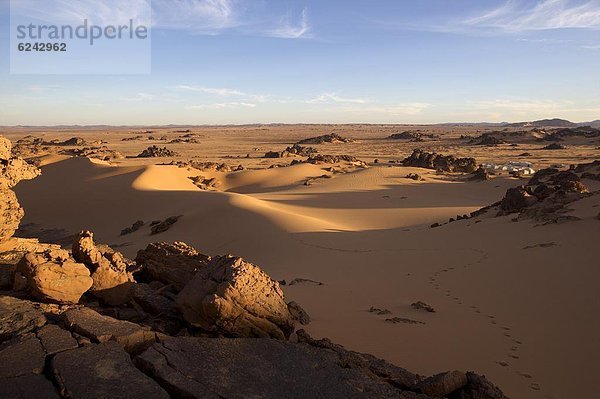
column 516, row 341
column 535, row 387
column 503, row 364
column 506, row 328
column 514, row 356
column 525, row 375
column 514, row 348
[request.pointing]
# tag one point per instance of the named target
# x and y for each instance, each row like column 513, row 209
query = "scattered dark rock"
column 164, row 225
column 403, row 320
column 516, row 199
column 554, row 146
column 422, row 306
column 414, row 176
column 480, row 175
column 378, row 311
column 134, row 227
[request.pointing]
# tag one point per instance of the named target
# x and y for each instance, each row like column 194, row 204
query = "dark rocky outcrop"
column 157, row 152
column 164, row 225
column 18, row 317
column 327, row 138
column 445, row 163
column 172, row 264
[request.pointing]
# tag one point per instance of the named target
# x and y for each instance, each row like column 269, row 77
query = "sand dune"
column 502, row 310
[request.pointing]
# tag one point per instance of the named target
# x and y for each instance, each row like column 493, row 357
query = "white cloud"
column 197, row 15
column 591, row 46
column 401, row 109
column 288, row 29
column 331, row 98
column 521, row 16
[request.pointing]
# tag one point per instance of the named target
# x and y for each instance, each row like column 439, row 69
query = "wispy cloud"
column 208, row 16
column 221, row 106
column 288, row 29
column 331, row 98
column 522, row 16
column 591, row 46
column 400, row 109
column 212, row 90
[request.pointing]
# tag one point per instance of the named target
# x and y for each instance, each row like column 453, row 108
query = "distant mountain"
column 545, row 123
column 595, row 123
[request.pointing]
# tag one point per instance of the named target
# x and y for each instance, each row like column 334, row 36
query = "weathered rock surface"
column 446, row 163
column 263, row 368
column 52, row 276
column 22, row 357
column 12, row 171
column 174, row 264
column 100, row 372
column 27, row 387
column 478, row 387
column 99, row 328
column 151, row 301
column 443, row 384
column 517, row 198
column 298, row 313
column 111, row 281
column 18, row 317
column 237, row 298
column 54, row 339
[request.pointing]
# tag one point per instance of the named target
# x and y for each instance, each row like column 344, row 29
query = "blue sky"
column 333, row 61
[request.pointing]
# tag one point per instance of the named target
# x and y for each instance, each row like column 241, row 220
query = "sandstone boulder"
column 52, row 276
column 174, row 264
column 234, row 297
column 111, row 281
column 5, row 149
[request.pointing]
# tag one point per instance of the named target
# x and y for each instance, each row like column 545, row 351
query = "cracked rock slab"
column 18, row 317
column 54, row 339
column 257, row 368
column 100, row 328
column 102, row 371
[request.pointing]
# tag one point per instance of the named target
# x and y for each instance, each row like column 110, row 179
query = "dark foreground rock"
column 157, row 152
column 327, row 138
column 101, row 328
column 257, row 368
column 173, row 264
column 100, row 372
column 18, row 317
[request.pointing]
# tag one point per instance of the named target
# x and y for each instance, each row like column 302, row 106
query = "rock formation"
column 327, row 138
column 111, row 279
column 12, row 171
column 157, row 152
column 236, row 298
column 52, row 276
column 448, row 163
column 172, row 264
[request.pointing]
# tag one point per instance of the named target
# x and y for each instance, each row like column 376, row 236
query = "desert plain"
column 358, row 239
